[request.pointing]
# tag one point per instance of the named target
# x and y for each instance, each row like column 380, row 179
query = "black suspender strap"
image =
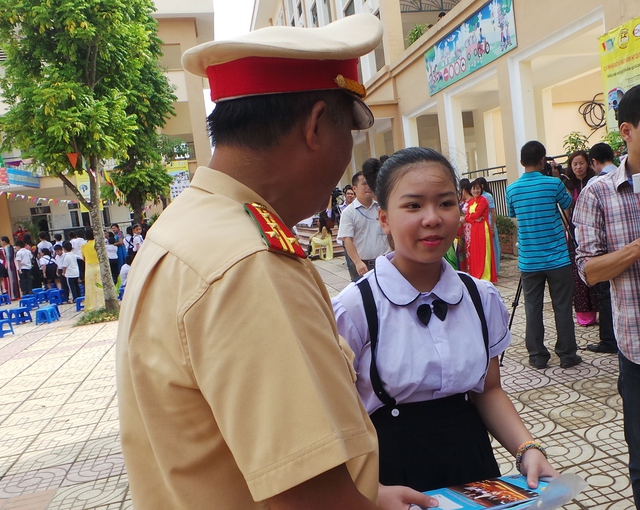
column 371, row 312
column 477, row 302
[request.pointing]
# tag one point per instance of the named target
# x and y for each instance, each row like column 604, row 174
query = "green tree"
column 141, row 175
column 71, row 66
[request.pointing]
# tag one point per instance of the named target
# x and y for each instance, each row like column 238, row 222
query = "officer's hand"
column 361, row 267
column 397, row 497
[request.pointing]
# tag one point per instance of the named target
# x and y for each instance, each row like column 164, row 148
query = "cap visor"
column 362, row 115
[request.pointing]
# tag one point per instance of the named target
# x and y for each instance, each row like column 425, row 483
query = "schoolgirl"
column 426, row 341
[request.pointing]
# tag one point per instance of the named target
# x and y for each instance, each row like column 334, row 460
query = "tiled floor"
column 59, row 445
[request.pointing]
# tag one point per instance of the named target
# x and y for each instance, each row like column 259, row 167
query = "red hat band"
column 253, row 76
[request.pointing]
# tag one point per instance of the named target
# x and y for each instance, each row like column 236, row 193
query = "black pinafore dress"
column 431, row 444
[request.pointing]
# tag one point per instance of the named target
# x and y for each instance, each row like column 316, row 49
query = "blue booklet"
column 503, row 492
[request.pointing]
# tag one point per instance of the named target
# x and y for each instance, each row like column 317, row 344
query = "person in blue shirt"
column 543, row 256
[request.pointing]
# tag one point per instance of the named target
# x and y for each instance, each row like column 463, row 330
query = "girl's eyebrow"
column 443, row 194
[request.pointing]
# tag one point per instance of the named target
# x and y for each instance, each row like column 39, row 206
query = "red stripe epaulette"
column 275, row 234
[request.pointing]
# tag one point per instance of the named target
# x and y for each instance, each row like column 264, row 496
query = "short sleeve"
column 510, row 209
column 346, row 227
column 497, row 320
column 265, row 352
column 563, row 196
column 588, row 218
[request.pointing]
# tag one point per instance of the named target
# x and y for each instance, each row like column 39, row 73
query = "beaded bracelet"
column 528, row 445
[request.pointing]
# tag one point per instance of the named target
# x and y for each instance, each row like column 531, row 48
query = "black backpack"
column 129, row 243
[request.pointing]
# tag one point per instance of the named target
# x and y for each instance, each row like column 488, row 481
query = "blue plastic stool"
column 80, row 303
column 40, row 295
column 47, row 314
column 4, row 314
column 29, row 302
column 9, row 327
column 5, row 299
column 20, row 315
column 81, row 285
column 54, row 296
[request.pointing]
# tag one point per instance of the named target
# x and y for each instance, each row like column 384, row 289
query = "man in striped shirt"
column 543, row 256
column 607, row 219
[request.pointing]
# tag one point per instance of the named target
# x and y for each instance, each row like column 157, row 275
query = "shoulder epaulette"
column 275, row 234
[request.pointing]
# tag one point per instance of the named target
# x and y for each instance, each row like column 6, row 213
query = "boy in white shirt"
column 44, row 243
column 23, row 264
column 112, row 255
column 70, row 270
column 61, row 281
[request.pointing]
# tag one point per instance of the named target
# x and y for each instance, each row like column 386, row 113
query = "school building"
column 481, row 81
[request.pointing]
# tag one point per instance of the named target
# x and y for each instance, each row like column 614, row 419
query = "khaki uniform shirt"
column 232, row 384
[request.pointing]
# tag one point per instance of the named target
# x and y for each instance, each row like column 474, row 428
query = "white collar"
column 356, row 203
column 401, row 293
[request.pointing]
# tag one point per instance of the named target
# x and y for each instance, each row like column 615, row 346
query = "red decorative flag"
column 73, row 158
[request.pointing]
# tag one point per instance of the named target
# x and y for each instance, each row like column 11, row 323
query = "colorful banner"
column 4, row 177
column 620, row 63
column 482, row 38
column 179, row 170
column 38, row 200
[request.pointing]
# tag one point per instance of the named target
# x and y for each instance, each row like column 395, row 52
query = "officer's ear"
column 313, row 124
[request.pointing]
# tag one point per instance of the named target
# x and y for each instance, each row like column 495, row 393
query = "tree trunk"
column 109, row 289
column 136, row 204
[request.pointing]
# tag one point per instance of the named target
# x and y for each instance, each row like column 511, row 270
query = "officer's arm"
column 335, row 489
column 332, row 489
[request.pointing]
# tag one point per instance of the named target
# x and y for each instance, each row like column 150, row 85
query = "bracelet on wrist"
column 524, row 447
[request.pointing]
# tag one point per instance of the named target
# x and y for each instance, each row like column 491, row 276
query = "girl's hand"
column 534, row 465
column 397, row 497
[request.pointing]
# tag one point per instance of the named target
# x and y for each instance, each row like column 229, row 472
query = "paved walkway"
column 59, row 445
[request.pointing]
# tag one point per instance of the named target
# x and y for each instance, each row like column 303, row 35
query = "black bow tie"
column 439, row 309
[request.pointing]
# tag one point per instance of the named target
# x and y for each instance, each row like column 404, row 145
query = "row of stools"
column 28, row 303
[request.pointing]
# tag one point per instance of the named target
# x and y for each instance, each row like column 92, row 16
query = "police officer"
column 234, row 390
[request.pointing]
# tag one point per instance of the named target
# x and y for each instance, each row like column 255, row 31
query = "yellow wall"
column 547, row 31
column 183, row 32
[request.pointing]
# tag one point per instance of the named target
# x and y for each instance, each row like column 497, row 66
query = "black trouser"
column 81, row 269
column 75, row 287
column 63, row 285
column 25, row 281
column 113, row 265
column 353, row 272
column 607, row 335
column 433, row 444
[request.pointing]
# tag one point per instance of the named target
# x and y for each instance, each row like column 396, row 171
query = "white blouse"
column 418, row 362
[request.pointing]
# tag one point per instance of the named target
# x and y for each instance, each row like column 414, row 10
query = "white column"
column 523, row 102
column 450, row 122
column 410, row 129
column 490, row 140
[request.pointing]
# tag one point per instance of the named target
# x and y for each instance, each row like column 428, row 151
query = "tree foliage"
column 73, row 84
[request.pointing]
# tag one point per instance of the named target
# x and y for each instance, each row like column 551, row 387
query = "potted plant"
column 506, row 234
